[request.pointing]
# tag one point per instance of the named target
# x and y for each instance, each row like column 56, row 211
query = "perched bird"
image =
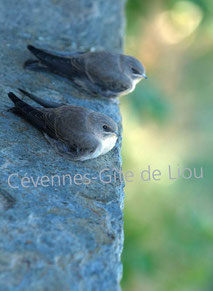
column 75, row 132
column 100, row 74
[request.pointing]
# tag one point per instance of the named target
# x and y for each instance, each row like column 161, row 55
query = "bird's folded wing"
column 67, row 120
column 50, row 121
column 69, row 67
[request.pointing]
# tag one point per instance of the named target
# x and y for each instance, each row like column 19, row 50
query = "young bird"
column 100, row 74
column 75, row 132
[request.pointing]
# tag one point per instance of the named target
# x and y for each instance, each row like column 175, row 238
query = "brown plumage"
column 75, row 132
column 100, row 74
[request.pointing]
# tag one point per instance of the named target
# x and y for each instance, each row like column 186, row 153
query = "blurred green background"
column 168, row 120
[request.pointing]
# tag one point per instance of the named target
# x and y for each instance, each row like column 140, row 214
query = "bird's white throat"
column 134, row 83
column 106, row 144
column 132, row 88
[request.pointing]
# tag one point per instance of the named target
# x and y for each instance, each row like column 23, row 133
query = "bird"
column 99, row 74
column 75, row 132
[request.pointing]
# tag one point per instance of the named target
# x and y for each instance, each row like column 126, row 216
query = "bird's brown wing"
column 66, row 120
column 65, row 127
column 70, row 67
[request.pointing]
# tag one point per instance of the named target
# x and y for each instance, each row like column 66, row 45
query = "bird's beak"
column 145, row 76
column 141, row 76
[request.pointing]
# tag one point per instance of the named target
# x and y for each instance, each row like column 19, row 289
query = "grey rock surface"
column 56, row 232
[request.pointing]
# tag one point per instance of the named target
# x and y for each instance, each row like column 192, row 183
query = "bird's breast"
column 107, row 144
column 104, row 146
column 131, row 88
column 134, row 83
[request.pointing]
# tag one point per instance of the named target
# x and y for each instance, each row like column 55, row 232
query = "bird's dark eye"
column 106, row 128
column 135, row 71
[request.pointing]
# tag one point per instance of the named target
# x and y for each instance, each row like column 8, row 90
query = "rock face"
column 57, row 232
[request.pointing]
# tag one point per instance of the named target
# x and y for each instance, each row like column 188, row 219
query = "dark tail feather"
column 55, row 63
column 46, row 104
column 14, row 98
column 44, row 56
column 32, row 115
column 35, row 51
column 35, row 65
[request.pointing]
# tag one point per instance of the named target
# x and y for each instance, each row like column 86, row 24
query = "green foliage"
column 169, row 224
column 148, row 103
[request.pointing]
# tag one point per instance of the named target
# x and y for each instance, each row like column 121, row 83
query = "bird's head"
column 133, row 68
column 103, row 126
